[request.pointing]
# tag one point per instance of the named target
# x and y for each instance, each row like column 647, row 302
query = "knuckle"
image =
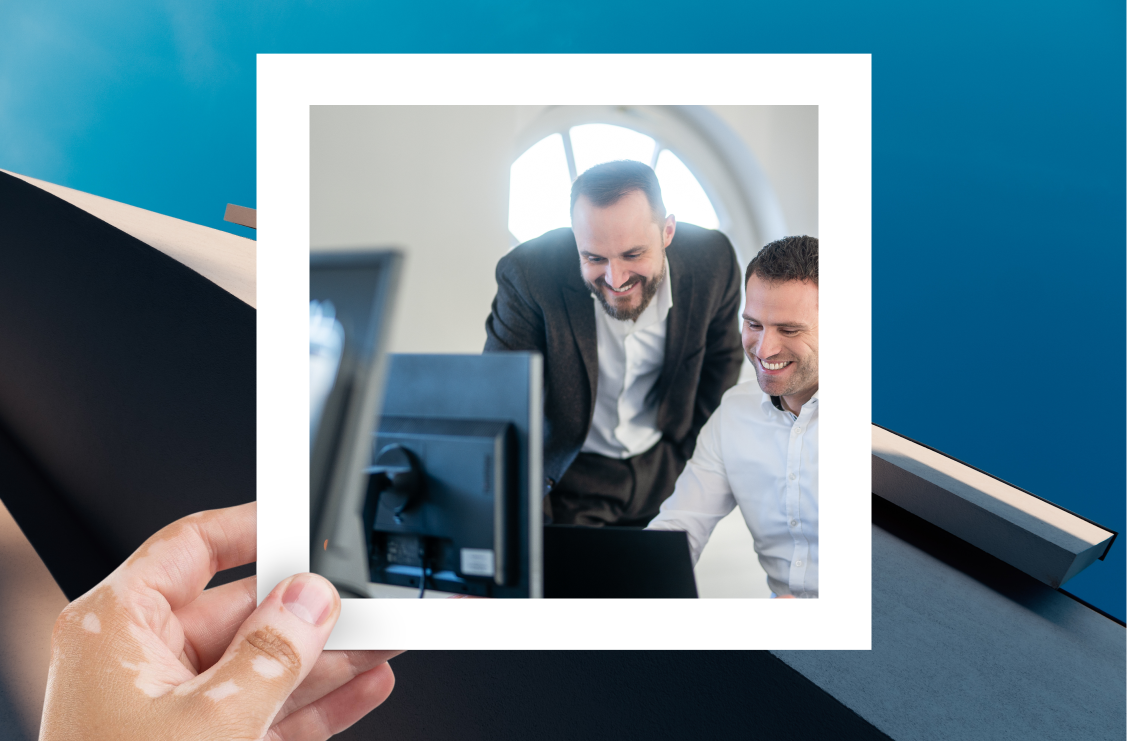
column 273, row 645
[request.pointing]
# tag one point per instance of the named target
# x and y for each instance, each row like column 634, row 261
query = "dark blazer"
column 543, row 304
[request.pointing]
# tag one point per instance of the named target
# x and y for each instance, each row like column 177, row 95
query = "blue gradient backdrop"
column 998, row 177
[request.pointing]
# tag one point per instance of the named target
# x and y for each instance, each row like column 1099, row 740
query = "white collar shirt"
column 631, row 355
column 763, row 459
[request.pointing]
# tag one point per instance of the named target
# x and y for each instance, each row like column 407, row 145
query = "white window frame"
column 746, row 205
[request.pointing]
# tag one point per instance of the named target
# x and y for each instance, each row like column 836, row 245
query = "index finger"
column 180, row 559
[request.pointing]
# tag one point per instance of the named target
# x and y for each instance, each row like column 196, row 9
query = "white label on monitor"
column 477, row 562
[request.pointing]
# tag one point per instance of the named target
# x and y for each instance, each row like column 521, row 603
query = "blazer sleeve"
column 723, row 351
column 516, row 322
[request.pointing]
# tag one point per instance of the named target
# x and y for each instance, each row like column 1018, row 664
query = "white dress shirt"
column 765, row 460
column 631, row 354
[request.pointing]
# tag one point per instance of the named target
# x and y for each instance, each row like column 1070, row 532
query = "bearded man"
column 760, row 450
column 635, row 316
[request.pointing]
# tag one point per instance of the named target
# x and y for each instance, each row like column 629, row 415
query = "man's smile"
column 624, row 290
column 773, row 367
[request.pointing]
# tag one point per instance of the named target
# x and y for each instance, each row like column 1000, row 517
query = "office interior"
column 437, row 183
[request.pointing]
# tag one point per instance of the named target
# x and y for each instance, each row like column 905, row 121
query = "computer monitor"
column 455, row 487
column 351, row 295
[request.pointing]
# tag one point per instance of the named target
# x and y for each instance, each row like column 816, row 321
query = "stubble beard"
column 649, row 290
column 804, row 376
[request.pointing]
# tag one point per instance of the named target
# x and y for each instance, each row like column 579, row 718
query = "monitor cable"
column 424, row 559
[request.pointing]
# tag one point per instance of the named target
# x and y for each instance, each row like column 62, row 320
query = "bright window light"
column 540, row 190
column 683, row 196
column 540, row 180
column 593, row 144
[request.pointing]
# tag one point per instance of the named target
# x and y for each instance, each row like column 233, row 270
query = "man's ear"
column 668, row 230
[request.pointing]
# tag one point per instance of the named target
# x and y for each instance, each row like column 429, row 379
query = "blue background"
column 998, row 178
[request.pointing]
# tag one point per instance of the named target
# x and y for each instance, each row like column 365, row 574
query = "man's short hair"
column 606, row 183
column 789, row 258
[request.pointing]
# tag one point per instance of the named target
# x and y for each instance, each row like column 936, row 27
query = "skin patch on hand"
column 170, row 536
column 272, row 657
column 91, row 623
column 226, row 689
column 147, row 548
column 275, row 646
column 158, row 672
column 267, row 667
column 99, row 653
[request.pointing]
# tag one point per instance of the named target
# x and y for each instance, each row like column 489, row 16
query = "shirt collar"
column 777, row 402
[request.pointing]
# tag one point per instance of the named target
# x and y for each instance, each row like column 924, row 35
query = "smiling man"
column 760, row 450
column 636, row 317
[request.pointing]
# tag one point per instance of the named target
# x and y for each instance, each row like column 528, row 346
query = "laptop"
column 617, row 562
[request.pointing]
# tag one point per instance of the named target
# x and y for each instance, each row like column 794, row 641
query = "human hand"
column 148, row 654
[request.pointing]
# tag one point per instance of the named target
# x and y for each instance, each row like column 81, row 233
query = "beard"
column 802, row 377
column 648, row 291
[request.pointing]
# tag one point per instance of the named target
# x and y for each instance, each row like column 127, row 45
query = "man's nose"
column 616, row 274
column 769, row 344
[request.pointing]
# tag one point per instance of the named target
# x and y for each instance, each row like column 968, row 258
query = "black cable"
column 423, row 576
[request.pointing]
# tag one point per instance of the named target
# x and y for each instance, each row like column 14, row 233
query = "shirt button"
column 794, row 523
column 797, row 563
column 797, row 430
column 792, row 477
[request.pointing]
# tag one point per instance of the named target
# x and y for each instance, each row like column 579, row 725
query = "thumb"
column 272, row 652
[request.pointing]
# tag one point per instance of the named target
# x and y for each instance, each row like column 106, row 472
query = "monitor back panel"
column 498, row 387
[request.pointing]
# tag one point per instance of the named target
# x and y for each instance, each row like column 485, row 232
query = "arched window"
column 707, row 176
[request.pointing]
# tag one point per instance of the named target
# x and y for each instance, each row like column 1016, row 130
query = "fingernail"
column 310, row 598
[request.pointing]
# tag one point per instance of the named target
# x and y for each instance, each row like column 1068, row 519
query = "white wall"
column 433, row 181
column 784, row 139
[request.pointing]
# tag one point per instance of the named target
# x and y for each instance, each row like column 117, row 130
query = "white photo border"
column 840, row 85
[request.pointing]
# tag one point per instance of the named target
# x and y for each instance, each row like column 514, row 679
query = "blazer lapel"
column 581, row 316
column 676, row 326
